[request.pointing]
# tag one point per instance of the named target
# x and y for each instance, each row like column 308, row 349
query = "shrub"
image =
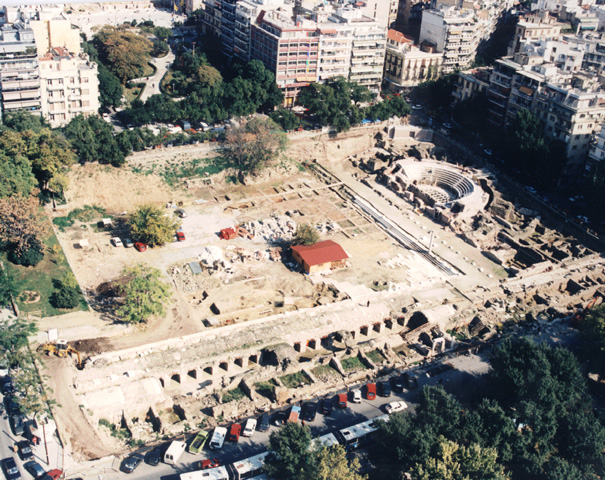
column 30, row 256
column 65, row 296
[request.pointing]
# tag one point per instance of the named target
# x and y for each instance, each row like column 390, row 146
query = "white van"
column 218, row 438
column 249, row 427
column 174, row 452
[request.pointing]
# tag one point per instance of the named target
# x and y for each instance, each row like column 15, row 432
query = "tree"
column 455, row 462
column 8, row 287
column 21, row 121
column 332, row 464
column 592, row 330
column 68, row 293
column 145, row 295
column 16, row 177
column 30, row 256
column 289, row 455
column 305, row 235
column 285, row 118
column 110, row 88
column 22, row 224
column 148, row 224
column 95, row 140
column 253, row 145
column 124, row 53
column 162, row 33
column 14, row 339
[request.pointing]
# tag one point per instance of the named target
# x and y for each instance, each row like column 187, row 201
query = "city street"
column 462, row 377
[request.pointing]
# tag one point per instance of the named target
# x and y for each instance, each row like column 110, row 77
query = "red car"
column 140, row 246
column 53, row 474
column 209, row 463
column 234, row 432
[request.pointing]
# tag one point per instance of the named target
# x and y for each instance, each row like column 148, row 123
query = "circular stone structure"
column 438, row 184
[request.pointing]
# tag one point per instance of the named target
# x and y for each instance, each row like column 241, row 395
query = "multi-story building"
column 246, row 12
column 597, row 149
column 211, row 18
column 19, row 76
column 290, row 50
column 471, row 83
column 454, row 32
column 406, row 64
column 383, row 12
column 535, row 27
column 69, row 86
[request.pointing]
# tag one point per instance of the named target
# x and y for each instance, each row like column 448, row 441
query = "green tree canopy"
column 290, row 457
column 124, row 53
column 253, row 145
column 305, row 235
column 148, row 224
column 22, row 223
column 145, row 295
column 285, row 118
column 95, row 140
column 455, row 462
column 110, row 88
column 16, row 176
column 332, row 464
column 14, row 340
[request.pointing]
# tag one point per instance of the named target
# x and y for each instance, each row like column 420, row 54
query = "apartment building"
column 19, row 76
column 69, row 86
column 596, row 153
column 290, row 50
column 471, row 83
column 246, row 12
column 406, row 65
column 454, row 32
column 535, row 27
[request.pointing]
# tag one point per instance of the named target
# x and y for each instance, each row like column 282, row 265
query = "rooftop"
column 321, row 252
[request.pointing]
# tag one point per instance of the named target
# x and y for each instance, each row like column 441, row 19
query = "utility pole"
column 431, row 242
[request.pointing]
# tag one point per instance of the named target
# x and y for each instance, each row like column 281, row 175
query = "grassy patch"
column 352, row 363
column 87, row 213
column 265, row 388
column 42, row 279
column 295, row 380
column 199, row 167
column 376, row 356
column 131, row 94
column 325, row 370
column 120, row 433
column 233, row 395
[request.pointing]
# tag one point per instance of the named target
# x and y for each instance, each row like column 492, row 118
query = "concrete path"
column 153, row 84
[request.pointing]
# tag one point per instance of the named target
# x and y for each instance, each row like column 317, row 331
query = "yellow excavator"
column 61, row 349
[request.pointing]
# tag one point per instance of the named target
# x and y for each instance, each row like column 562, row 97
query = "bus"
column 218, row 438
column 218, row 473
column 325, row 440
column 249, row 467
column 357, row 435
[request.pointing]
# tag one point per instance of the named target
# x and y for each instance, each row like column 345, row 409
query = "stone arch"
column 364, row 330
column 192, row 374
column 224, row 366
column 253, row 359
column 298, row 347
column 176, row 378
column 312, row 343
column 162, row 382
column 239, row 362
column 209, row 370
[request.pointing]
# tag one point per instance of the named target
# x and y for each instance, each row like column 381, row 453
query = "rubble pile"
column 277, row 228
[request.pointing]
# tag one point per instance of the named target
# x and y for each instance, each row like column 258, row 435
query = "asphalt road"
column 466, row 369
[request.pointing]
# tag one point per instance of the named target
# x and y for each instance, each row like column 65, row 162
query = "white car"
column 396, row 407
column 249, row 427
column 356, row 396
column 116, row 242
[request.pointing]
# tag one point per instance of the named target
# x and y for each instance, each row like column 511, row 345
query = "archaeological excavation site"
column 422, row 253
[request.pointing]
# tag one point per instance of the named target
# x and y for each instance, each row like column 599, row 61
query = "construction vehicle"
column 61, row 349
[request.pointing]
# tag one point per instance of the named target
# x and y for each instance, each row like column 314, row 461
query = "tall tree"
column 21, row 222
column 124, row 53
column 305, row 235
column 16, row 177
column 8, row 287
column 110, row 88
column 455, row 462
column 14, row 339
column 253, row 145
column 332, row 464
column 289, row 456
column 145, row 295
column 148, row 224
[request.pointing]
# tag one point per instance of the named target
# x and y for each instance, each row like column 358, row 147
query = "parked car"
column 279, row 419
column 11, row 472
column 264, row 422
column 371, row 391
column 398, row 383
column 199, row 442
column 356, row 396
column 234, row 432
column 116, row 242
column 384, row 389
column 326, row 406
column 180, row 212
column 249, row 427
column 209, row 463
column 411, row 380
column 153, row 457
column 34, row 469
column 140, row 246
column 12, row 407
column 396, row 407
column 341, row 400
column 128, row 243
column 53, row 474
column 309, row 411
column 130, row 463
column 25, row 450
column 16, row 423
column 7, row 386
column 180, row 236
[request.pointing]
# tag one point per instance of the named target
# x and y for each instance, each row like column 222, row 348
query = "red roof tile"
column 321, row 252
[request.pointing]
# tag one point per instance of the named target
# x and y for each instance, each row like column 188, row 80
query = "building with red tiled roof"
column 321, row 257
